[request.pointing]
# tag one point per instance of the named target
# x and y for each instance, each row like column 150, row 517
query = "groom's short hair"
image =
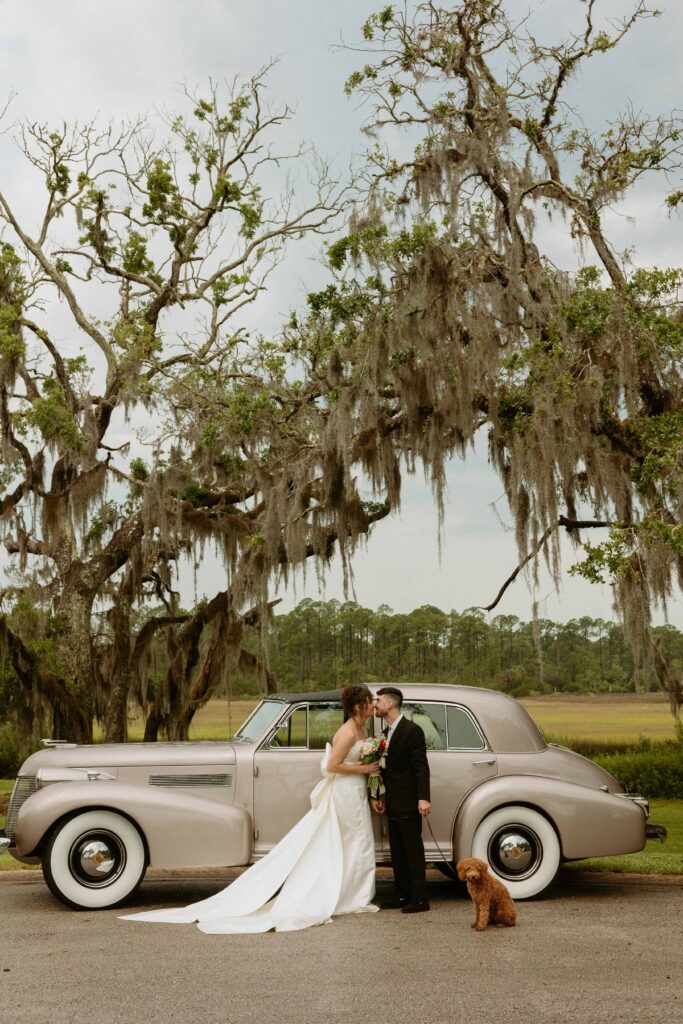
column 391, row 691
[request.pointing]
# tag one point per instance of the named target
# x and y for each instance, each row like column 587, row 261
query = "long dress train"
column 324, row 866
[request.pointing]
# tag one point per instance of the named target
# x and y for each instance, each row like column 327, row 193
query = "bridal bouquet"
column 374, row 750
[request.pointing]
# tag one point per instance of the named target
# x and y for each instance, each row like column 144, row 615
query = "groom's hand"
column 424, row 807
column 377, row 805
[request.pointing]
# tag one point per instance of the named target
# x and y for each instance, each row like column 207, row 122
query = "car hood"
column 118, row 755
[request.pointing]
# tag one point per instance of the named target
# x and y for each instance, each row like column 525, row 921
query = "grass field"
column 602, row 719
column 217, row 721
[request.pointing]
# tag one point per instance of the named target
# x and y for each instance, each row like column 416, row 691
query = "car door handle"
column 490, row 761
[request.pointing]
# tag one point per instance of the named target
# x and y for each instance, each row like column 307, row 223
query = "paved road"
column 592, row 951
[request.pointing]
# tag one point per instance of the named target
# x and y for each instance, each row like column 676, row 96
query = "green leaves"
column 164, row 204
column 51, row 414
column 135, row 258
column 609, row 561
column 662, row 437
column 12, row 297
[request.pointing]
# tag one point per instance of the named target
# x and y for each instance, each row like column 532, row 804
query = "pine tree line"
column 324, row 644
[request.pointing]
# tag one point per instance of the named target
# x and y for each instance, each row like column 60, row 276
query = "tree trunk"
column 74, row 650
column 120, row 675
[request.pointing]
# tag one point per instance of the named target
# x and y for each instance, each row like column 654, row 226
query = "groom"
column 406, row 778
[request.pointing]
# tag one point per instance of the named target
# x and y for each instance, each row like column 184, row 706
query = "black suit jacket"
column 406, row 775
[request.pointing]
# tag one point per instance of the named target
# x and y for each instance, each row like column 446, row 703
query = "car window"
column 292, row 732
column 309, row 727
column 323, row 723
column 432, row 720
column 259, row 720
column 463, row 733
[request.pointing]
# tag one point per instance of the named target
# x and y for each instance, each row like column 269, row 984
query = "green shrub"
column 599, row 748
column 10, row 750
column 653, row 773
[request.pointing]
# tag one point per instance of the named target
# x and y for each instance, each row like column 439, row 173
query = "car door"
column 287, row 768
column 459, row 760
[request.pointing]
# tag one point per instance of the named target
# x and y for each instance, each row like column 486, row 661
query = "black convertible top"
column 322, row 697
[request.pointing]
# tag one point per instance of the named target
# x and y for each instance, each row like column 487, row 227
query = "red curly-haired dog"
column 492, row 901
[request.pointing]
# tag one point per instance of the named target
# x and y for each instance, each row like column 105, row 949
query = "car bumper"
column 4, row 844
column 658, row 832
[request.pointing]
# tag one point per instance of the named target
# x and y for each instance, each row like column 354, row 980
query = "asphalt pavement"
column 591, row 950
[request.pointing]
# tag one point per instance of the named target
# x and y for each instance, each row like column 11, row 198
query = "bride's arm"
column 341, row 744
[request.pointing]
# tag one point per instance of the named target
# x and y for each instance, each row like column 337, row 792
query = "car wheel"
column 521, row 848
column 94, row 860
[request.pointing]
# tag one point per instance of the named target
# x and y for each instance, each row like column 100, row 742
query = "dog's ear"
column 483, row 867
column 460, row 868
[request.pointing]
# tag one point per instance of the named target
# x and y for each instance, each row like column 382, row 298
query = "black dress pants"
column 408, row 855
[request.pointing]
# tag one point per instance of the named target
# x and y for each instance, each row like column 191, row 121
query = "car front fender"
column 589, row 822
column 180, row 829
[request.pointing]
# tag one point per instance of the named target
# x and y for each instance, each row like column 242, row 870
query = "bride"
column 324, row 866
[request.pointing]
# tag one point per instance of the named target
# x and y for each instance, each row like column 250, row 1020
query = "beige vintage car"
column 96, row 817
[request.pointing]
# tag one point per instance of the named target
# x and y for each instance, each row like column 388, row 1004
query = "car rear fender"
column 589, row 822
column 180, row 829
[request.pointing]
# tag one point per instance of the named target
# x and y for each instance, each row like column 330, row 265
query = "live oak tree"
column 150, row 250
column 444, row 319
column 463, row 325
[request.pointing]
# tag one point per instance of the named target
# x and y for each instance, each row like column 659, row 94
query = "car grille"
column 23, row 788
column 190, row 780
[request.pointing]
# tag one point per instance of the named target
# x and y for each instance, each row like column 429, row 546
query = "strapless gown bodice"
column 323, row 867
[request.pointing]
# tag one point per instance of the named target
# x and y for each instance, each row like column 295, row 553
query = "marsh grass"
column 609, row 721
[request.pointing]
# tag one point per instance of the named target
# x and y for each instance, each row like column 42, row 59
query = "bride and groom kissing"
column 325, row 866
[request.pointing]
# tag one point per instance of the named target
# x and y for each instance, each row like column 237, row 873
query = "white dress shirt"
column 392, row 727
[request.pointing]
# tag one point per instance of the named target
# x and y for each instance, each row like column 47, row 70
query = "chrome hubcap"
column 97, row 859
column 515, row 852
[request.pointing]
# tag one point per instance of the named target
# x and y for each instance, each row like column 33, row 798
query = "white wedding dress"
column 323, row 867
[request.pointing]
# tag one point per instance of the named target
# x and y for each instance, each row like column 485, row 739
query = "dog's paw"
column 479, row 927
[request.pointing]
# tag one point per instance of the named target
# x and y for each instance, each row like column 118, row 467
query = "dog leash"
column 451, row 872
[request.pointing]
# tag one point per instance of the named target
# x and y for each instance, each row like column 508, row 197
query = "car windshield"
column 257, row 723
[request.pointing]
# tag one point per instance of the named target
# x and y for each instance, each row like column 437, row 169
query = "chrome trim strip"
column 188, row 781
column 24, row 787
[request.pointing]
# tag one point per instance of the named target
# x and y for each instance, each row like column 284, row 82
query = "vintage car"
column 97, row 816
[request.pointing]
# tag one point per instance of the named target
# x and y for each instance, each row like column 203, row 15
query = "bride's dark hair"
column 354, row 695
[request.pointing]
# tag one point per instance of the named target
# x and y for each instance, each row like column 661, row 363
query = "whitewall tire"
column 521, row 848
column 94, row 860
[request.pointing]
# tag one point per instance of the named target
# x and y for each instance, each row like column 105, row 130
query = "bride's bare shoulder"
column 345, row 734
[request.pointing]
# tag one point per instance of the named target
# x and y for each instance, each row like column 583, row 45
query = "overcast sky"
column 79, row 59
